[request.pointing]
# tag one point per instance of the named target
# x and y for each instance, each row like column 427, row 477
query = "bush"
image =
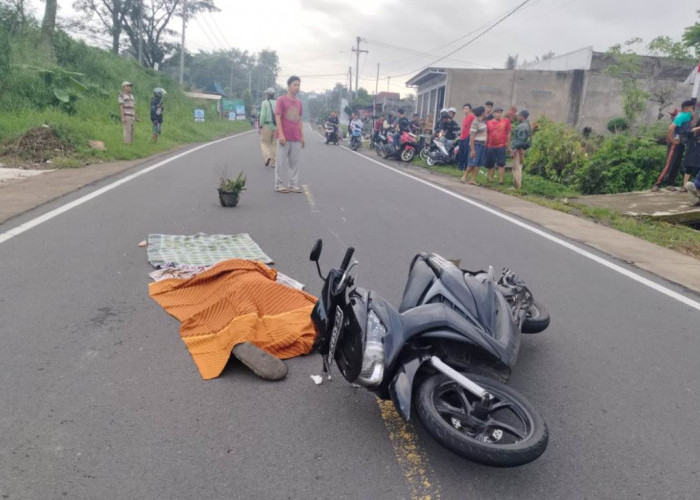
column 621, row 164
column 617, row 125
column 556, row 152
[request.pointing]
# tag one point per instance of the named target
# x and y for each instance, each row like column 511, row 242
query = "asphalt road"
column 100, row 399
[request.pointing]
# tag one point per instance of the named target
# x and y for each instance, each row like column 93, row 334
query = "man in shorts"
column 477, row 145
column 497, row 137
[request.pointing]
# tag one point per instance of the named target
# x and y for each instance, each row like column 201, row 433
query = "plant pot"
column 228, row 198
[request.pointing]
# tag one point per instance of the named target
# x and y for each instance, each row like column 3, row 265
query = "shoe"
column 655, row 189
column 690, row 187
column 267, row 162
column 682, row 190
column 263, row 364
column 296, row 190
column 462, row 180
column 473, row 183
column 281, row 190
column 272, row 165
column 671, row 188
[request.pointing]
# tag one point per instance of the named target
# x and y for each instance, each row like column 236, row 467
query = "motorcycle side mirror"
column 316, row 251
column 315, row 255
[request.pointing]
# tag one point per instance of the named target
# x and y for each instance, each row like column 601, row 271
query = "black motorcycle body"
column 442, row 153
column 442, row 352
column 332, row 135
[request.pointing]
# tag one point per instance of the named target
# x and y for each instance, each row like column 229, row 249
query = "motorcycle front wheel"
column 431, row 161
column 408, row 154
column 537, row 318
column 507, row 433
column 424, row 153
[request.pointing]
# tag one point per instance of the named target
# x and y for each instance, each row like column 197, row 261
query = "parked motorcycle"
column 332, row 135
column 441, row 154
column 405, row 151
column 446, row 351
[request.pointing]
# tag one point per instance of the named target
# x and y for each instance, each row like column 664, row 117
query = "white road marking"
column 604, row 262
column 7, row 235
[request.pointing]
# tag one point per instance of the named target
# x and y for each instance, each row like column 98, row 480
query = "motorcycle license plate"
column 337, row 327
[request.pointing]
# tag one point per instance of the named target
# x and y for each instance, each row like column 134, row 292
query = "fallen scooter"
column 447, row 350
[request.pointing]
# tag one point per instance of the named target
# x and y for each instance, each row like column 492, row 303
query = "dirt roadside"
column 21, row 195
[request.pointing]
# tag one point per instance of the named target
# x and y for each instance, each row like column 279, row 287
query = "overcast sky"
column 314, row 37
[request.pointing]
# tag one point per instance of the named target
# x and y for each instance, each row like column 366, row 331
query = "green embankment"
column 75, row 93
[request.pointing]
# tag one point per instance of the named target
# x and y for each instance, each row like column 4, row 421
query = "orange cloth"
column 237, row 301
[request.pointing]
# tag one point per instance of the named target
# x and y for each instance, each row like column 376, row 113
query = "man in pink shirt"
column 290, row 138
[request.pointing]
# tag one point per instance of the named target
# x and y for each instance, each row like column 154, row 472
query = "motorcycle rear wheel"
column 509, row 434
column 537, row 319
column 424, row 153
column 431, row 161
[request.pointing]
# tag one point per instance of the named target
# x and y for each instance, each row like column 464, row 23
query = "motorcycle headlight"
column 372, row 371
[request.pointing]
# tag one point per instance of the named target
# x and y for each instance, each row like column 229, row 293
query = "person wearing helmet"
column 157, row 112
column 447, row 130
column 267, row 128
column 452, row 112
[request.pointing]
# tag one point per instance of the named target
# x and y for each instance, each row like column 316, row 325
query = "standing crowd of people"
column 486, row 137
column 682, row 152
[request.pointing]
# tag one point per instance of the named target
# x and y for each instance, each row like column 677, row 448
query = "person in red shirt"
column 464, row 137
column 497, row 138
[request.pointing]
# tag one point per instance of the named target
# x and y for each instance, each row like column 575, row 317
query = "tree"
column 111, row 15
column 48, row 25
column 626, row 67
column 145, row 21
column 363, row 100
column 691, row 37
column 674, row 52
column 512, row 61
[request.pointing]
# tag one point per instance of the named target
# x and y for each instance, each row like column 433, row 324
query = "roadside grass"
column 28, row 101
column 557, row 196
column 98, row 120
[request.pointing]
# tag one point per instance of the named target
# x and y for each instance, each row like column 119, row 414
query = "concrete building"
column 571, row 88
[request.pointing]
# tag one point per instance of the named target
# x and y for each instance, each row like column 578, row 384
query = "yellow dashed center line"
column 412, row 459
column 309, row 198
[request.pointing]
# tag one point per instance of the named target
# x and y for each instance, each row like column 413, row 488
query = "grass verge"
column 553, row 195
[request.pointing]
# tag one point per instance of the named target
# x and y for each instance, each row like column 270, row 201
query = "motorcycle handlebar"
column 346, row 259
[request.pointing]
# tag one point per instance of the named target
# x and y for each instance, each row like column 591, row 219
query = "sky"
column 313, row 38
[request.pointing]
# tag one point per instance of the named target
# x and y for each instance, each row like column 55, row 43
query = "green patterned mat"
column 202, row 249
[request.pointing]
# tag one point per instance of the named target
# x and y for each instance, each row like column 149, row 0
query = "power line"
column 218, row 29
column 472, row 40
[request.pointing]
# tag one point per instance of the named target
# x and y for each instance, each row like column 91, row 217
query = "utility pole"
column 182, row 44
column 357, row 51
column 231, row 78
column 376, row 90
column 349, row 82
column 140, row 32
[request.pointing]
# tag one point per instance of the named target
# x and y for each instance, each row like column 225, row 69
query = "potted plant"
column 230, row 189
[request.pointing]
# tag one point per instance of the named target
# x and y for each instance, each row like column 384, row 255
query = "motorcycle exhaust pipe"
column 472, row 387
